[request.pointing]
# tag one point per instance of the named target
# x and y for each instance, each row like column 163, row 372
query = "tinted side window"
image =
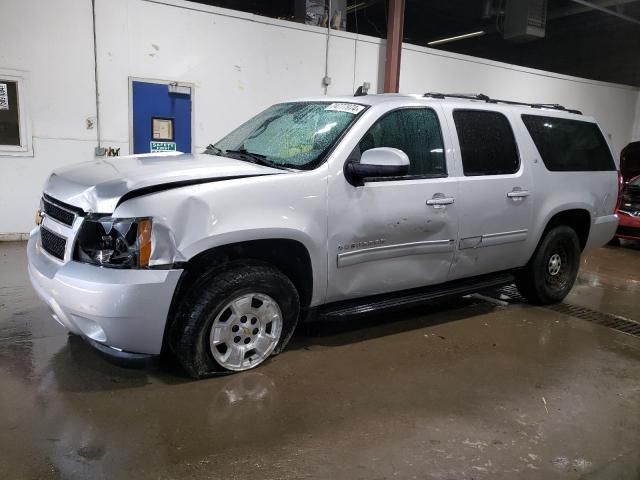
column 486, row 141
column 415, row 131
column 569, row 145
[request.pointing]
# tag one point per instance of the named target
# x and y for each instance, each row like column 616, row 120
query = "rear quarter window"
column 567, row 145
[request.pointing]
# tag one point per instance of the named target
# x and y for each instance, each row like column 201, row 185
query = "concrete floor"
column 462, row 390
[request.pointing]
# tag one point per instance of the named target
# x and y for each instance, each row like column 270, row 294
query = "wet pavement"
column 458, row 390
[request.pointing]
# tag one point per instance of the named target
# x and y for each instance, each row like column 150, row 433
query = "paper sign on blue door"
column 163, row 147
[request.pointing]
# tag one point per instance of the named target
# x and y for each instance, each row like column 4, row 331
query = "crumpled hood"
column 98, row 185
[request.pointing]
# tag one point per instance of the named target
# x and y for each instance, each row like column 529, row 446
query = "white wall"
column 241, row 63
column 614, row 106
column 238, row 63
column 50, row 44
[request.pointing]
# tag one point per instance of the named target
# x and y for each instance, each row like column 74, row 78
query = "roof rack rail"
column 487, row 99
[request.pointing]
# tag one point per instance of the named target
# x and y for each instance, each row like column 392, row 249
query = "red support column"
column 394, row 46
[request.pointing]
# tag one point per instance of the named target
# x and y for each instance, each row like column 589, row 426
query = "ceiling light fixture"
column 457, row 37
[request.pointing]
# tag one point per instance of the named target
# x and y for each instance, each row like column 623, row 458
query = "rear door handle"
column 518, row 193
column 440, row 201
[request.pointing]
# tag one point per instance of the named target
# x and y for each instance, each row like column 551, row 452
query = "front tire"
column 234, row 319
column 550, row 274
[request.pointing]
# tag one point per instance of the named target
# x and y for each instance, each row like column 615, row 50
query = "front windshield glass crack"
column 289, row 135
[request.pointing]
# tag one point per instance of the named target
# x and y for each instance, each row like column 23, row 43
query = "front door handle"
column 440, row 201
column 518, row 193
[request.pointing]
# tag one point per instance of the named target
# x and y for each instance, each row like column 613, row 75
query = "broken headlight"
column 114, row 242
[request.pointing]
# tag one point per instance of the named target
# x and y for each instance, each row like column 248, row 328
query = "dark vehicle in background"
column 630, row 161
column 629, row 211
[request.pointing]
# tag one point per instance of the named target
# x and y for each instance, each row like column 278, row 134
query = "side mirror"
column 376, row 163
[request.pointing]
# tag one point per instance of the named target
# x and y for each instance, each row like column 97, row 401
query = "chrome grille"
column 58, row 213
column 52, row 243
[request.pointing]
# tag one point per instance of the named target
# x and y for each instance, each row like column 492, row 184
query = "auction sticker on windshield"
column 345, row 107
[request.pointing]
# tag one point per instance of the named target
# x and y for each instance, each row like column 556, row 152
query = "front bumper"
column 629, row 227
column 125, row 310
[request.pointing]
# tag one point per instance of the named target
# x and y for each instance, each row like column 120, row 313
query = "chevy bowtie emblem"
column 39, row 217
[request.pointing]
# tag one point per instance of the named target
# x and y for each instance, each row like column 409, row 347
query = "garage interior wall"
column 238, row 63
column 49, row 45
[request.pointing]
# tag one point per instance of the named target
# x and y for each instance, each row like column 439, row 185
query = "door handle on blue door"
column 440, row 201
column 518, row 193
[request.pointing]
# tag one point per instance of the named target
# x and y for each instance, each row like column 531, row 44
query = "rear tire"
column 550, row 274
column 234, row 319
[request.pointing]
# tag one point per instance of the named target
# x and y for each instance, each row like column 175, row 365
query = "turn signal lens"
column 144, row 242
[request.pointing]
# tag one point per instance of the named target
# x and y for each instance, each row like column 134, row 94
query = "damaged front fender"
column 190, row 220
column 164, row 250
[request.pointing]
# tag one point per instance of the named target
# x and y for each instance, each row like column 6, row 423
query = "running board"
column 413, row 297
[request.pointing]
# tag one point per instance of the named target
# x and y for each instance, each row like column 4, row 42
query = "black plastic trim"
column 416, row 296
column 408, row 177
column 169, row 266
column 485, row 98
column 77, row 210
column 59, row 214
column 112, row 352
column 628, row 231
column 50, row 240
column 358, row 173
column 121, row 357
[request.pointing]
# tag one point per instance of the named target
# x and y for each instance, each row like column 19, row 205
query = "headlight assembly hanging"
column 114, row 242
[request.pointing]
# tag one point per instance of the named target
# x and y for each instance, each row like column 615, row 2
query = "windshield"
column 295, row 135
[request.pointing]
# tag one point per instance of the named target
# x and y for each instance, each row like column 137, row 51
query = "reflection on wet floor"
column 461, row 389
column 610, row 281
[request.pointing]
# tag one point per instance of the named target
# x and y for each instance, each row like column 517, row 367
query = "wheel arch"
column 578, row 218
column 288, row 255
column 532, row 279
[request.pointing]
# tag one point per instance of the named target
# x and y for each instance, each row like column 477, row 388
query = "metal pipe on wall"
column 95, row 78
column 395, row 27
column 326, row 80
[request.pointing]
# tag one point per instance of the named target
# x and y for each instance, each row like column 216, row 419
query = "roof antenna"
column 362, row 90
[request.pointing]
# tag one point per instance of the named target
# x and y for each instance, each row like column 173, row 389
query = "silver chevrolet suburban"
column 321, row 207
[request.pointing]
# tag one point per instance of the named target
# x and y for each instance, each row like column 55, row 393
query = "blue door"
column 161, row 118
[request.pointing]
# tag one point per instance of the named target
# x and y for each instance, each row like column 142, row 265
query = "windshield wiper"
column 213, row 150
column 254, row 158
